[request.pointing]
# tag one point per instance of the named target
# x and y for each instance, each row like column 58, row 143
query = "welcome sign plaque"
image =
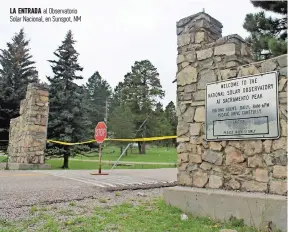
column 243, row 108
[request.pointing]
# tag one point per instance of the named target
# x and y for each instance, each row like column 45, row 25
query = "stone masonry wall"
column 205, row 56
column 27, row 136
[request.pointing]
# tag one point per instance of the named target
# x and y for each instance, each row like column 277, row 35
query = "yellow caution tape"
column 144, row 139
column 121, row 140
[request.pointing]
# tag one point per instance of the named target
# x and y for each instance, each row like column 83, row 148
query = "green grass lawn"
column 153, row 154
column 151, row 216
column 3, row 158
column 77, row 165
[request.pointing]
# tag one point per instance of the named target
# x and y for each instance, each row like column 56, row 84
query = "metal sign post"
column 100, row 136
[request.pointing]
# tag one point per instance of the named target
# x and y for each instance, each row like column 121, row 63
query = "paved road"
column 116, row 178
column 18, row 188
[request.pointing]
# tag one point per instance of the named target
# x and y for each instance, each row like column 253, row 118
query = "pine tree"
column 170, row 112
column 17, row 70
column 141, row 90
column 99, row 93
column 68, row 120
column 268, row 35
column 121, row 123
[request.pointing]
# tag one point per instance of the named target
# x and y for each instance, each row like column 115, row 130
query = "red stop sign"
column 100, row 132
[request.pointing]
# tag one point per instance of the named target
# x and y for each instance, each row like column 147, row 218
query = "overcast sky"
column 113, row 34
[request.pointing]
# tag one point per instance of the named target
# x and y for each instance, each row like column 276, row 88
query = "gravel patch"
column 80, row 205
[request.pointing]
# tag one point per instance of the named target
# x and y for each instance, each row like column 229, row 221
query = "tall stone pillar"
column 204, row 56
column 28, row 132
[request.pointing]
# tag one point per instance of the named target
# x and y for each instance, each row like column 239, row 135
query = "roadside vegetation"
column 146, row 216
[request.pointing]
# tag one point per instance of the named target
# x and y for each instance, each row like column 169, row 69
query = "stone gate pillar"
column 28, row 132
column 258, row 166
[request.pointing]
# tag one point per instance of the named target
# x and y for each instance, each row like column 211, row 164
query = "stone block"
column 253, row 147
column 215, row 181
column 267, row 145
column 184, row 39
column 280, row 143
column 182, row 166
column 215, row 146
column 190, row 57
column 182, row 128
column 225, row 49
column 43, row 98
column 255, row 161
column 181, row 148
column 261, row 175
column 184, row 178
column 268, row 66
column 204, row 54
column 247, row 71
column 232, row 184
column 236, row 169
column 199, row 95
column 200, row 179
column 195, row 129
column 187, row 96
column 283, row 124
column 254, row 186
column 205, row 64
column 206, row 76
column 233, row 156
column 43, row 93
column 195, row 158
column 282, row 83
column 184, row 64
column 227, row 73
column 188, row 115
column 180, row 59
column 280, row 172
column 200, row 114
column 206, row 166
column 213, row 157
column 190, row 88
column 278, row 187
column 187, row 76
column 232, row 64
column 26, row 166
column 283, row 71
column 192, row 167
column 183, row 158
column 198, row 103
column 282, row 60
column 199, row 37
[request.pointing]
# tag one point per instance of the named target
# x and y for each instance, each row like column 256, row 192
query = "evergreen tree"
column 159, row 125
column 117, row 97
column 121, row 123
column 170, row 112
column 141, row 90
column 268, row 35
column 67, row 114
column 99, row 94
column 17, row 70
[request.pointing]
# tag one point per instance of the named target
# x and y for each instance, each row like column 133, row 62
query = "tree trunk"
column 66, row 159
column 121, row 149
column 143, row 148
column 139, row 147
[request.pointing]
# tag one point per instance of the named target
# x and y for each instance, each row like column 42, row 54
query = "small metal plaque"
column 243, row 108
